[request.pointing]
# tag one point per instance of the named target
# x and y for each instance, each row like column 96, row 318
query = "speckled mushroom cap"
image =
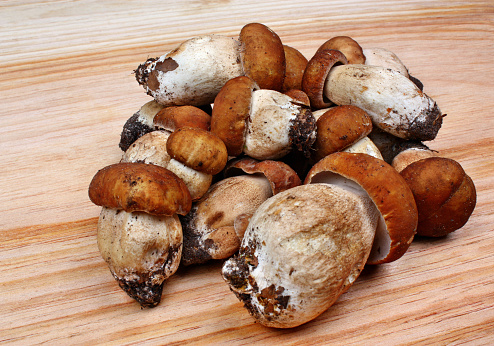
column 140, row 187
column 262, row 56
column 340, row 127
column 387, row 189
column 198, row 149
column 174, row 117
column 295, row 67
column 444, row 193
column 281, row 177
column 315, row 74
column 348, row 46
column 230, row 112
column 302, row 249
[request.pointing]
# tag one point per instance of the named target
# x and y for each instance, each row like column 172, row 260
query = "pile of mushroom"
column 295, row 172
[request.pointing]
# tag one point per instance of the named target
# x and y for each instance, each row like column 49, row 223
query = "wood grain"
column 67, row 88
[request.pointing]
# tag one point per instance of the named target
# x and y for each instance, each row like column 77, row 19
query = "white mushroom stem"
column 364, row 146
column 273, row 124
column 385, row 58
column 141, row 250
column 194, row 72
column 394, row 103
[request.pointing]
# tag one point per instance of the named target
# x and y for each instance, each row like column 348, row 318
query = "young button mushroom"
column 445, row 195
column 302, row 249
column 151, row 148
column 264, row 124
column 339, row 128
column 139, row 233
column 395, row 104
column 194, row 72
column 363, row 173
column 215, row 226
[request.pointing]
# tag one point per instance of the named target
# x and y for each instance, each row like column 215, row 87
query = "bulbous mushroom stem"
column 141, row 250
column 393, row 101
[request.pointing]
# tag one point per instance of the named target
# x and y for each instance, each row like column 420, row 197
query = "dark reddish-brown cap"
column 387, row 189
column 174, row 117
column 295, row 67
column 140, row 187
column 340, row 127
column 230, row 112
column 198, row 149
column 263, row 56
column 315, row 75
column 445, row 195
column 348, row 46
column 280, row 176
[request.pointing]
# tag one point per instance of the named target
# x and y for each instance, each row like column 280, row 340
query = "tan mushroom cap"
column 316, row 73
column 281, row 177
column 445, row 195
column 295, row 67
column 174, row 117
column 348, row 46
column 409, row 156
column 230, row 112
column 198, row 149
column 339, row 128
column 387, row 189
column 140, row 187
column 263, row 56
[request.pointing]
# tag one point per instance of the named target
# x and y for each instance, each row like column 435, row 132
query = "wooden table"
column 66, row 89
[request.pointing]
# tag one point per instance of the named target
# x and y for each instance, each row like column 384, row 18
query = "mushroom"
column 152, row 149
column 348, row 46
column 387, row 189
column 139, row 232
column 215, row 225
column 302, row 249
column 194, row 72
column 264, row 124
column 364, row 146
column 395, row 104
column 385, row 58
column 340, row 127
column 445, row 195
column 174, row 117
column 388, row 59
column 295, row 67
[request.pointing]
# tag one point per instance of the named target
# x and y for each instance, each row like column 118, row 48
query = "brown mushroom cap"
column 315, row 75
column 174, row 117
column 140, row 187
column 295, row 67
column 339, row 128
column 348, row 46
column 387, row 189
column 281, row 176
column 445, row 195
column 198, row 149
column 263, row 56
column 230, row 112
column 298, row 97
